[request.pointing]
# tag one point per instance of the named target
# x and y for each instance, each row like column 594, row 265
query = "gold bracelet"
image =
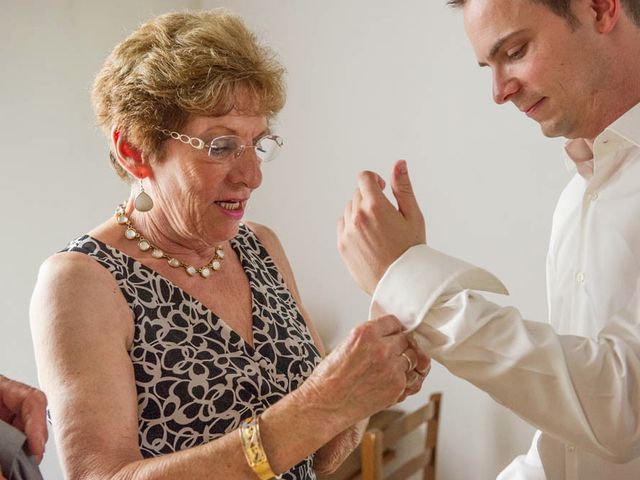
column 253, row 450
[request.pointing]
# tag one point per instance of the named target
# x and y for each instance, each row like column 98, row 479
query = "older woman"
column 171, row 339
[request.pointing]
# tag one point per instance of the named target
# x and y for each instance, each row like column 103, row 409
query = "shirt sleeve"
column 583, row 391
column 15, row 461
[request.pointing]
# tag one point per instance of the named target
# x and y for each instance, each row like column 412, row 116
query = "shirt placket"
column 579, row 297
column 604, row 153
column 578, row 303
column 571, row 463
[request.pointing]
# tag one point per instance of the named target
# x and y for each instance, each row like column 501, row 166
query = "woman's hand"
column 418, row 367
column 373, row 368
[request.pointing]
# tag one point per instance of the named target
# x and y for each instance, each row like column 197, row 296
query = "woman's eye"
column 222, row 147
column 219, row 151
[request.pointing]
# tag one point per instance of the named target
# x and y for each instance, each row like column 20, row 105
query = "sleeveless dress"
column 196, row 378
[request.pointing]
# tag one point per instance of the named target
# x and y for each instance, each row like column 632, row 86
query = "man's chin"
column 551, row 129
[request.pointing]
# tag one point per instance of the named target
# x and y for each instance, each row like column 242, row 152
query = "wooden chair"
column 378, row 445
column 352, row 465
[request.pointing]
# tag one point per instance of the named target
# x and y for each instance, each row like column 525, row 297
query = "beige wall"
column 369, row 82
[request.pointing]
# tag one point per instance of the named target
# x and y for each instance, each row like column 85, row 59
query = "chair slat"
column 407, row 424
column 380, row 444
column 410, row 467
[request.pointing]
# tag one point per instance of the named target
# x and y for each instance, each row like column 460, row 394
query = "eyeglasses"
column 222, row 149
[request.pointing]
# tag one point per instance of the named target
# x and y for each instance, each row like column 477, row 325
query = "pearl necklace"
column 145, row 245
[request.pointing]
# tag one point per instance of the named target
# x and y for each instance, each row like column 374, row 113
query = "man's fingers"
column 370, row 185
column 340, row 226
column 343, row 224
column 348, row 212
column 13, row 395
column 388, row 325
column 36, row 431
column 35, row 422
column 354, row 209
column 403, row 191
column 413, row 380
column 6, row 414
column 417, row 359
column 25, row 408
column 36, row 437
column 424, row 363
column 356, row 201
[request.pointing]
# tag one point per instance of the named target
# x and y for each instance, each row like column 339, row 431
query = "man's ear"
column 606, row 14
column 129, row 157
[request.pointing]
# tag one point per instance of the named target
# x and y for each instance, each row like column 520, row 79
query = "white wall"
column 369, row 82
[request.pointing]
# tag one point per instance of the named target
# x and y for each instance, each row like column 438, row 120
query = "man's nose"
column 504, row 87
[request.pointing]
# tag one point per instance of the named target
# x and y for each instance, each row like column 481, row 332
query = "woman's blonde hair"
column 180, row 64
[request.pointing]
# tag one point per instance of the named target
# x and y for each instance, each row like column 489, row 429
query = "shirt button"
column 580, row 277
column 593, row 196
column 571, row 448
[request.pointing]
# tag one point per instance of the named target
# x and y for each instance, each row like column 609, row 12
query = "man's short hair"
column 563, row 9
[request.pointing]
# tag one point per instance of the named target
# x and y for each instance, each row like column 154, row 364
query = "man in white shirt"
column 574, row 67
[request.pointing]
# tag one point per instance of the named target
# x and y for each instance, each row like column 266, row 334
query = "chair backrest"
column 378, row 446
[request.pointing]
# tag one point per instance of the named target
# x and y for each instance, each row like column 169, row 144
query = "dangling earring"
column 143, row 202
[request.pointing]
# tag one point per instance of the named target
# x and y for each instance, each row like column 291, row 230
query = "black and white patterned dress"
column 196, row 378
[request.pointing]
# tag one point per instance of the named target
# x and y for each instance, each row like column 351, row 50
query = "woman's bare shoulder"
column 75, row 269
column 73, row 288
column 272, row 244
column 267, row 237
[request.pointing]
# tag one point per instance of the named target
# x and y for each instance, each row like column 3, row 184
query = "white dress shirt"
column 577, row 377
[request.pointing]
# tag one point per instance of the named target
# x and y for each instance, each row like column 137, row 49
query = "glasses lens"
column 221, row 148
column 267, row 148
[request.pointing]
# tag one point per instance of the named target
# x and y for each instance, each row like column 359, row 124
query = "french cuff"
column 420, row 276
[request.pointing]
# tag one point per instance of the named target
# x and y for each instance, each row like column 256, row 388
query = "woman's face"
column 202, row 200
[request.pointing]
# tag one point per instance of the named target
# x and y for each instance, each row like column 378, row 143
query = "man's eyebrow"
column 498, row 45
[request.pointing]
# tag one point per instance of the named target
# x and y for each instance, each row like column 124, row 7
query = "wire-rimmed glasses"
column 226, row 147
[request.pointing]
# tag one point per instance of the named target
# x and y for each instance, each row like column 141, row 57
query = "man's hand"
column 372, row 233
column 24, row 407
column 419, row 367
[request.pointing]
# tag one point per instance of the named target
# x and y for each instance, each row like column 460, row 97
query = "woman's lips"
column 232, row 208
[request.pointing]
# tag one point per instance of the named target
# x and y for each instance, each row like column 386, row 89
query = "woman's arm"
column 82, row 329
column 331, row 455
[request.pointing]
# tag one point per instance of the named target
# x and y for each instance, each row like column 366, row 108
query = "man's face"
column 549, row 70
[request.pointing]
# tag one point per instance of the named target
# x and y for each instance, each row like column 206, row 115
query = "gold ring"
column 409, row 362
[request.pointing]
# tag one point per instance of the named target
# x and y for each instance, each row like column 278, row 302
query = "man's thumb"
column 403, row 191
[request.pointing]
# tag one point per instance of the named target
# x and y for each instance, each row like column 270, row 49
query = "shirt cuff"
column 420, row 276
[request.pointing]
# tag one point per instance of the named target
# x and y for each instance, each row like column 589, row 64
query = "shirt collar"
column 623, row 132
column 628, row 126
